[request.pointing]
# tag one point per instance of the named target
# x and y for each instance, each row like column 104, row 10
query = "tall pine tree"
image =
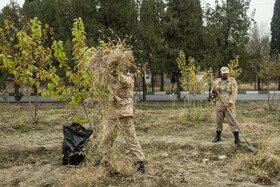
column 275, row 33
column 120, row 16
column 183, row 24
column 275, row 28
column 227, row 26
column 149, row 43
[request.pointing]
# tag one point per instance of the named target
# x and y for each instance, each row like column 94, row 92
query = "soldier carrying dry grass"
column 113, row 62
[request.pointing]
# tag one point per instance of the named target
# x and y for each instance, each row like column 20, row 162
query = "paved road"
column 248, row 97
column 244, row 97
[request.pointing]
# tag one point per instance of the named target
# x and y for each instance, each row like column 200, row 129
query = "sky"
column 263, row 14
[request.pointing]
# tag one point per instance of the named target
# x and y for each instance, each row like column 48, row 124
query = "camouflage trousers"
column 126, row 127
column 221, row 115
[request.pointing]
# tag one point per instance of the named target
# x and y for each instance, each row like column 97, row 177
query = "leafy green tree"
column 120, row 16
column 6, row 47
column 32, row 63
column 88, row 11
column 183, row 27
column 13, row 13
column 226, row 33
column 275, row 28
column 275, row 33
column 150, row 41
column 57, row 14
column 80, row 89
column 9, row 51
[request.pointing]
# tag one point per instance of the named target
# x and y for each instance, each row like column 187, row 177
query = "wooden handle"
column 231, row 116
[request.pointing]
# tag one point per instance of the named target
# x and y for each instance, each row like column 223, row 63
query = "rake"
column 250, row 146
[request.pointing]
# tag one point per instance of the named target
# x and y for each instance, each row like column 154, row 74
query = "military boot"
column 237, row 140
column 141, row 168
column 218, row 137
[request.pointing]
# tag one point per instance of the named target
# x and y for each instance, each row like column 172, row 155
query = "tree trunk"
column 144, row 88
column 259, row 83
column 88, row 119
column 209, row 94
column 278, row 83
column 255, row 83
column 36, row 113
column 17, row 93
column 30, row 105
column 35, row 89
column 276, row 108
column 17, row 89
column 153, row 82
column 162, row 82
column 178, row 88
column 268, row 99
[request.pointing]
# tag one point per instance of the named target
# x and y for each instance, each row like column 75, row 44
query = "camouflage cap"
column 224, row 70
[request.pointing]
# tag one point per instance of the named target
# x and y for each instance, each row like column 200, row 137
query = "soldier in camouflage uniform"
column 120, row 116
column 227, row 87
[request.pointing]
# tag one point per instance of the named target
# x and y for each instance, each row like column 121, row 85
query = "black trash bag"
column 74, row 143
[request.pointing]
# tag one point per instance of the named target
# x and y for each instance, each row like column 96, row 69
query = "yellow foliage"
column 189, row 74
column 234, row 70
column 209, row 77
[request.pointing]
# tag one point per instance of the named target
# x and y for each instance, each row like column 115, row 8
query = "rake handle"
column 233, row 118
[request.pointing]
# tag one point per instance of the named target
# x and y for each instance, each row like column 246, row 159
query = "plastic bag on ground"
column 74, row 143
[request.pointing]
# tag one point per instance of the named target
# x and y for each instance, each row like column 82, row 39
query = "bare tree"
column 259, row 47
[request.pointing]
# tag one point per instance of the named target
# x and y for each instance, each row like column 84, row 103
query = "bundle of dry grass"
column 108, row 59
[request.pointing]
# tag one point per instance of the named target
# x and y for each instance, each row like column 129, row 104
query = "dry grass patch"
column 264, row 164
column 249, row 126
column 174, row 146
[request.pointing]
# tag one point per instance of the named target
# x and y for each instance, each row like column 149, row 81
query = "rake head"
column 252, row 148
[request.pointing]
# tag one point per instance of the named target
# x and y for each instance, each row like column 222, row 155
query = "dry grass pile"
column 109, row 59
column 265, row 164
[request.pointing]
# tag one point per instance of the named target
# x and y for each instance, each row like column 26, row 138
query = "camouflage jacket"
column 122, row 87
column 228, row 91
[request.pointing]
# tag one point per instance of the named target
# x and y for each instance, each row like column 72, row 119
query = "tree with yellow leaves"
column 234, row 70
column 190, row 75
column 28, row 59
